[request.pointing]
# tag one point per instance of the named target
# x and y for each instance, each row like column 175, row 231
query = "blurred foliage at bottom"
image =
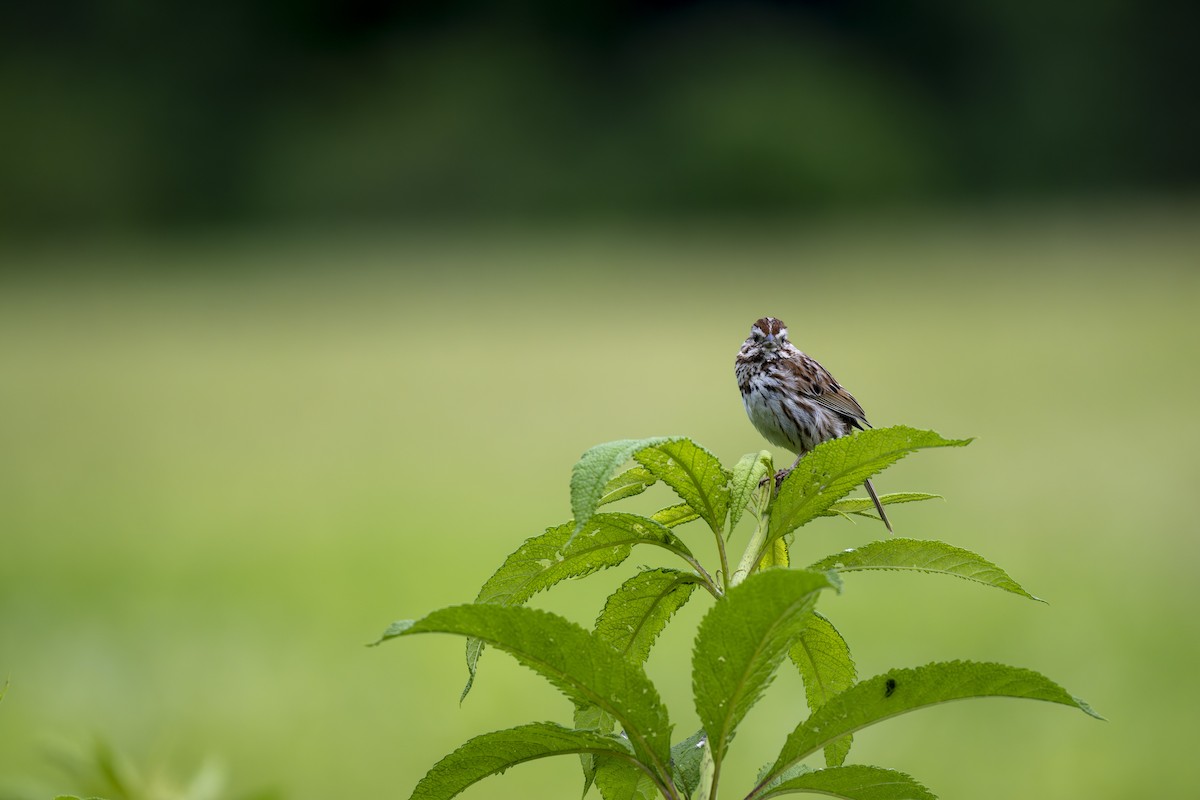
column 103, row 772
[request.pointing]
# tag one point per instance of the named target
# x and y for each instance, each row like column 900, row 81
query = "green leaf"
column 823, row 659
column 835, row 468
column 575, row 661
column 631, row 620
column 562, row 553
column 694, row 473
column 495, row 752
column 750, row 470
column 741, row 641
column 922, row 556
column 631, row 482
column 591, row 718
column 903, row 690
column 686, row 757
column 618, row 779
column 604, row 541
column 590, row 475
column 863, row 505
column 776, row 555
column 673, row 516
column 767, row 780
column 855, row 782
column 636, row 613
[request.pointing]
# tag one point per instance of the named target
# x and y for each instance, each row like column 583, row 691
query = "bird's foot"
column 779, row 476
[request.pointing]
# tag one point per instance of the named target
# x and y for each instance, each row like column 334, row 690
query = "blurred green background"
column 307, row 309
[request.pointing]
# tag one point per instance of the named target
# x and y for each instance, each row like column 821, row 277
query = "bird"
column 792, row 400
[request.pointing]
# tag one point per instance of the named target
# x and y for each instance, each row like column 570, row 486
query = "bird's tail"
column 878, row 505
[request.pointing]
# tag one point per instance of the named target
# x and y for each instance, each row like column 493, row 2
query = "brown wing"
column 827, row 392
column 838, row 400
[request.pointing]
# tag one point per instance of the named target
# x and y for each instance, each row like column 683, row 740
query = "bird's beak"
column 771, row 341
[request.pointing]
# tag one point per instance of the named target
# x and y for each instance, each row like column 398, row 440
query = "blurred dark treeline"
column 133, row 115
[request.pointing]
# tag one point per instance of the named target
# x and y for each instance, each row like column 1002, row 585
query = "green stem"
column 706, row 580
column 749, row 563
column 667, row 787
column 756, row 547
column 724, row 561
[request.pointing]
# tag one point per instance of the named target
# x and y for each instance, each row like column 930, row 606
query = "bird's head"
column 769, row 333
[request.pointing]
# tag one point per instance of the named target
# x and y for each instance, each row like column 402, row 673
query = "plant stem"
column 750, row 559
column 706, row 580
column 724, row 561
column 756, row 546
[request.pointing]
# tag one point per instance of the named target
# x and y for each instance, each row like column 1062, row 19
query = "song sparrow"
column 792, row 400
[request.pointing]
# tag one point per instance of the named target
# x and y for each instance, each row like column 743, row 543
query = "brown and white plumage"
column 791, row 399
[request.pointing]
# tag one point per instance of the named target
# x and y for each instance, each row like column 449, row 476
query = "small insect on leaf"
column 889, row 687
